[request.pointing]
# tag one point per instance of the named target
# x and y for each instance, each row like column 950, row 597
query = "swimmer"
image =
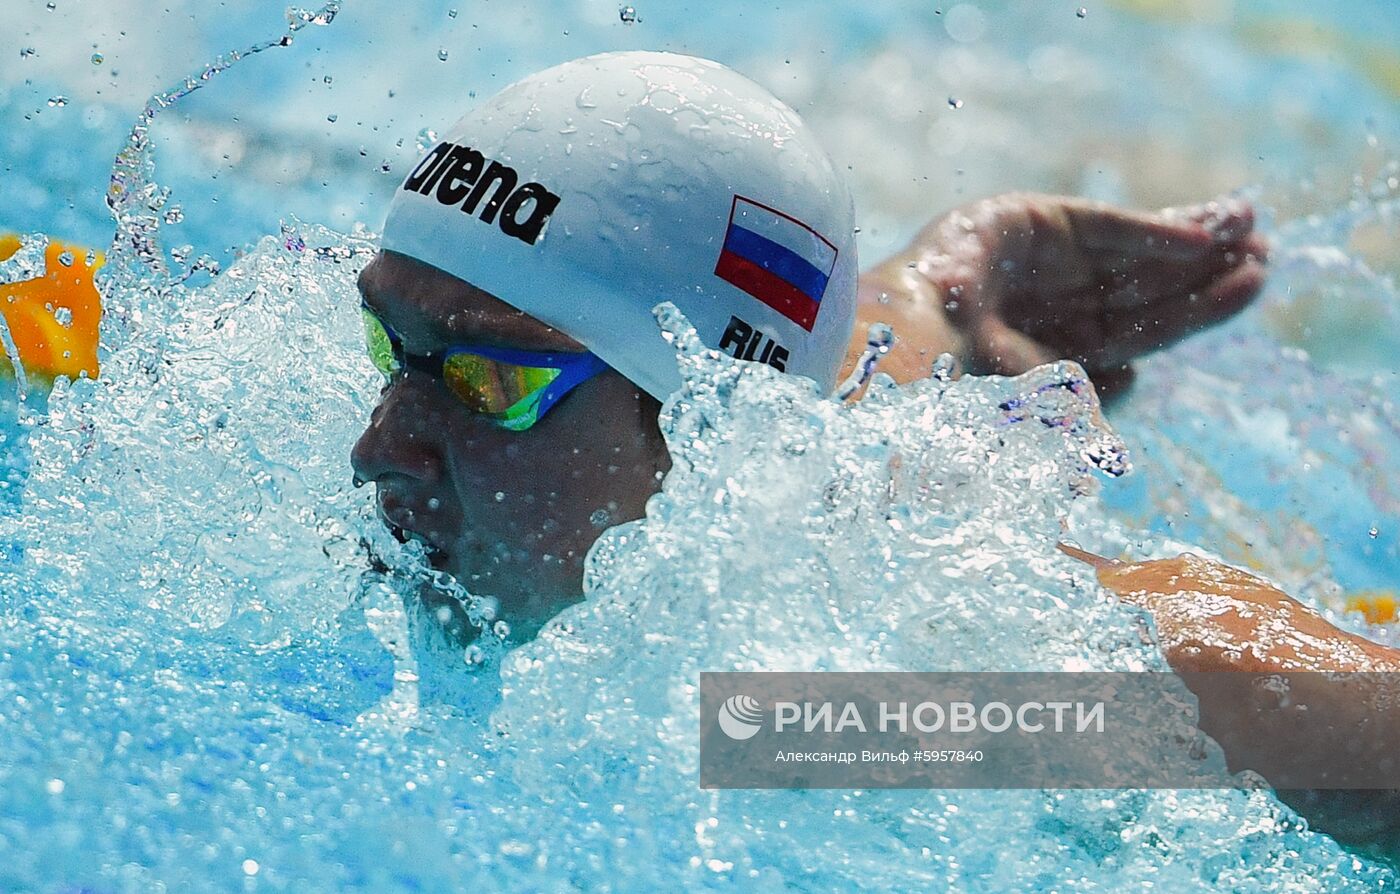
column 511, row 306
column 510, row 310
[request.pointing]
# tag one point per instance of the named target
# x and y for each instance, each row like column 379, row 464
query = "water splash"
column 216, row 663
column 136, row 200
column 209, row 630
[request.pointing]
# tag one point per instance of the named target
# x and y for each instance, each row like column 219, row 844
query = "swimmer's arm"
column 1212, row 618
column 1011, row 282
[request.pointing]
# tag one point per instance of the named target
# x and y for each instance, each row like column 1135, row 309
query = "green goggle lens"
column 381, row 346
column 505, row 391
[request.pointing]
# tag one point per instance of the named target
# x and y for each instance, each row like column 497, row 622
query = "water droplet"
column 1081, row 12
column 1374, row 532
column 442, row 54
column 300, row 18
column 628, row 14
column 501, row 629
column 500, row 496
column 96, row 58
column 600, row 518
column 291, row 239
column 63, row 316
column 58, row 102
column 954, row 103
column 943, row 367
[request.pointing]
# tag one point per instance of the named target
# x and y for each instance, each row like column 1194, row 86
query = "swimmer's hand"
column 1213, row 617
column 1015, row 281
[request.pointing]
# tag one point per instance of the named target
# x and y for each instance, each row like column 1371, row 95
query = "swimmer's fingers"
column 1131, row 332
column 1117, row 238
column 1156, row 280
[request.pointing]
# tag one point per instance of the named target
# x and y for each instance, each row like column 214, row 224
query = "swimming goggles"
column 512, row 387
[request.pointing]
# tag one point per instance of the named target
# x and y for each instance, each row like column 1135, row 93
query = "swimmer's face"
column 509, row 514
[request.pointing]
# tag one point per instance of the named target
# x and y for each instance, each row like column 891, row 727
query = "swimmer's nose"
column 395, row 443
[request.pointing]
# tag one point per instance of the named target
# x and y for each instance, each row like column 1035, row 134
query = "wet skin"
column 1036, row 277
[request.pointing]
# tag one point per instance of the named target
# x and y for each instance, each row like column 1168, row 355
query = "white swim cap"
column 588, row 193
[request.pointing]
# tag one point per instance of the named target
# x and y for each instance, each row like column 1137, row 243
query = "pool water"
column 213, row 673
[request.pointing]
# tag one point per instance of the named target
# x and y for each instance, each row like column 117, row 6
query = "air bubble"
column 63, row 316
column 426, row 139
column 501, row 629
column 1374, row 532
column 26, row 52
column 442, row 54
column 600, row 518
column 58, row 102
column 96, row 58
column 66, row 258
column 434, row 503
column 954, row 103
column 500, row 496
column 628, row 14
column 1081, row 12
column 174, row 215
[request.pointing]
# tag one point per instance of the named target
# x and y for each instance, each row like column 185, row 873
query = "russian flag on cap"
column 777, row 259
